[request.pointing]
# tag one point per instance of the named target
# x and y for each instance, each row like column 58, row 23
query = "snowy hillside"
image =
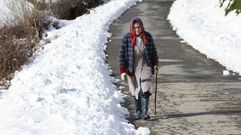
column 202, row 24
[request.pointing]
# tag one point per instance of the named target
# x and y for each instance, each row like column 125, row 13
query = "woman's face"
column 137, row 28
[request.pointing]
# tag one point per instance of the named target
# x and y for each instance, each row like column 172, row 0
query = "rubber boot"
column 138, row 108
column 144, row 107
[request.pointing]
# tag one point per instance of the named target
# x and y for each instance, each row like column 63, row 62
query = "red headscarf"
column 132, row 31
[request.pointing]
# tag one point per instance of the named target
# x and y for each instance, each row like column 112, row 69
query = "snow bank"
column 67, row 89
column 202, row 24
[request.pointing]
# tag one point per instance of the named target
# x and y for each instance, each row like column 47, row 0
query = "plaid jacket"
column 126, row 56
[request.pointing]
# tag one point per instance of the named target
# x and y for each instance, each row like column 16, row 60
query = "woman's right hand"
column 123, row 76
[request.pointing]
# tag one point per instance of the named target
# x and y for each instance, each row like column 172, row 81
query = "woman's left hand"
column 156, row 69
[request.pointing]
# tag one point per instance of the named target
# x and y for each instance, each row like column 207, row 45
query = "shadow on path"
column 218, row 112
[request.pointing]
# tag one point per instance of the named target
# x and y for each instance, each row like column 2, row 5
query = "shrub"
column 19, row 39
column 233, row 5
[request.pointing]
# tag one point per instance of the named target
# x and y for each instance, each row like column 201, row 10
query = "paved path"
column 194, row 98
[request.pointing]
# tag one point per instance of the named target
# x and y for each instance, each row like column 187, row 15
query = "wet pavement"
column 193, row 96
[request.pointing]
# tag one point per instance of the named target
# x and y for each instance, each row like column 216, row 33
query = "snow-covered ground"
column 5, row 12
column 202, row 24
column 67, row 89
column 10, row 9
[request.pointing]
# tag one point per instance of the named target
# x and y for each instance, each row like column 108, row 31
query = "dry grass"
column 70, row 9
column 19, row 39
column 66, row 9
column 17, row 46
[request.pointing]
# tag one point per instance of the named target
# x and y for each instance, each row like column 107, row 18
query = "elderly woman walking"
column 138, row 60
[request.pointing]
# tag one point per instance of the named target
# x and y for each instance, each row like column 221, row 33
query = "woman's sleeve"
column 154, row 53
column 122, row 56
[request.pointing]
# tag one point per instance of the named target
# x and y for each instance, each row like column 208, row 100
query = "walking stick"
column 155, row 91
